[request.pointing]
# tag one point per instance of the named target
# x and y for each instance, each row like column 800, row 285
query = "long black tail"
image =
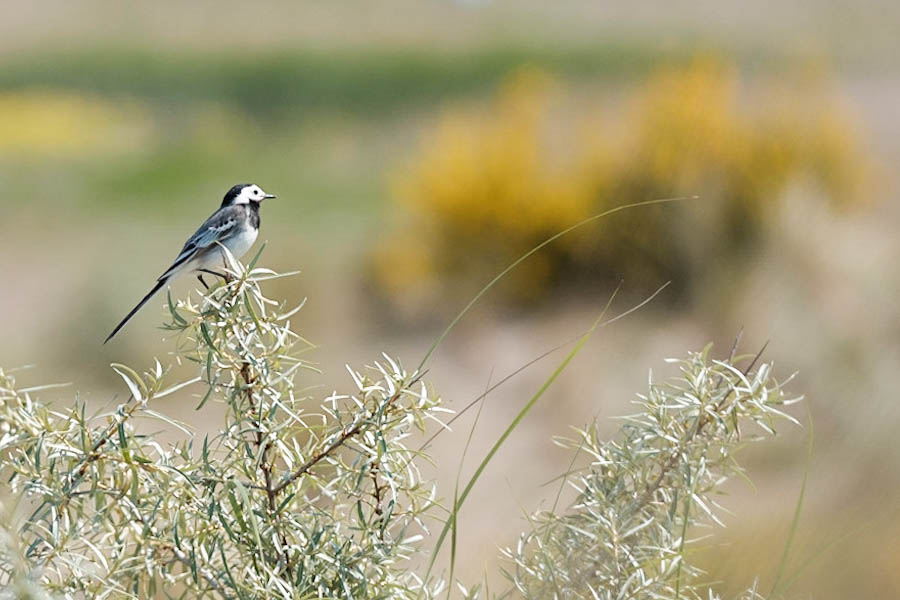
column 149, row 295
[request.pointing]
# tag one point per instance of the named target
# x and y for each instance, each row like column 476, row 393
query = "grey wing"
column 220, row 226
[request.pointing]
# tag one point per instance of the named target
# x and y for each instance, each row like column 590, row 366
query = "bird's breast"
column 239, row 243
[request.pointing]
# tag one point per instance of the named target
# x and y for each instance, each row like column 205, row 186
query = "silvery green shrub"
column 295, row 496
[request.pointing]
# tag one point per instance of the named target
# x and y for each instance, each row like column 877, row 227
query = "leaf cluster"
column 294, row 496
column 648, row 492
column 291, row 497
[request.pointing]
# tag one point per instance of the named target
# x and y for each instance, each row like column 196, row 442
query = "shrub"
column 288, row 499
column 490, row 184
column 648, row 488
column 297, row 498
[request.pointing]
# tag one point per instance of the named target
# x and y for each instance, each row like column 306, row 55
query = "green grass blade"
column 565, row 477
column 177, row 317
column 493, row 387
column 836, row 543
column 527, row 408
column 522, row 258
column 512, row 426
column 541, row 356
column 207, row 338
column 782, row 564
column 254, row 260
column 462, row 460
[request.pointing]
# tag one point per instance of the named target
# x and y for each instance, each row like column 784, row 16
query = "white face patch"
column 251, row 193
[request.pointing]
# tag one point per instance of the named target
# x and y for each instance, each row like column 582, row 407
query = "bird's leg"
column 206, row 287
column 224, row 276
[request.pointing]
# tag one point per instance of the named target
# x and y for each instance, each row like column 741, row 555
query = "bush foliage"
column 294, row 496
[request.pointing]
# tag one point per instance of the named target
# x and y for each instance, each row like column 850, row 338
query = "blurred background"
column 418, row 147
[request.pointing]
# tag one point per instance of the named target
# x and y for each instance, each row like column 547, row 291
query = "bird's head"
column 245, row 193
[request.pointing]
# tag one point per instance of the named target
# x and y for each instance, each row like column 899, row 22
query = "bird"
column 234, row 225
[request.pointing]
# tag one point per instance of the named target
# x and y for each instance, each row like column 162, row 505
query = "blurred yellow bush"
column 491, row 184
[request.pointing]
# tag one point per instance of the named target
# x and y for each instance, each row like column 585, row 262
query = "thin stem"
column 177, row 554
column 126, row 410
column 345, row 435
column 263, row 447
column 702, row 420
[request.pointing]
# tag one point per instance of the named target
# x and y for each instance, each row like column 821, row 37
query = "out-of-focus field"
column 122, row 125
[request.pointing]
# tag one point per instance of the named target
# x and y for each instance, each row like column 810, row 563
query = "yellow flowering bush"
column 490, row 184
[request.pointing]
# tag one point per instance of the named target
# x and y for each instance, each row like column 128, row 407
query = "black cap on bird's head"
column 245, row 193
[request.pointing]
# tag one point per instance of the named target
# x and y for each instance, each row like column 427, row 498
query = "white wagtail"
column 235, row 225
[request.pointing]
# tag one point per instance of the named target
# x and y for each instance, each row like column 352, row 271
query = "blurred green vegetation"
column 134, row 130
column 273, row 85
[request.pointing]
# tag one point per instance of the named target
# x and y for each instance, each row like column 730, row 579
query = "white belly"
column 238, row 244
column 241, row 242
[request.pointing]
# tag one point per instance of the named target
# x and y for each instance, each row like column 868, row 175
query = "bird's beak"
column 267, row 196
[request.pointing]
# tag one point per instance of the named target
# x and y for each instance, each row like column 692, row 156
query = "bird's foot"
column 225, row 276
